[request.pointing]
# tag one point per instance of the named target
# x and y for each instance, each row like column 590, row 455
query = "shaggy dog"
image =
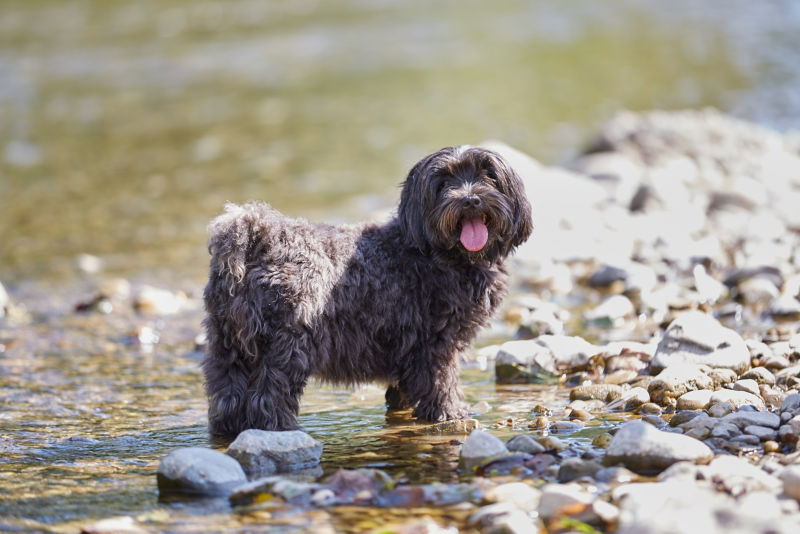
column 394, row 302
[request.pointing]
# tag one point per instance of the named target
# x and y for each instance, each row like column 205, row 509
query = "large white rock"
column 642, row 448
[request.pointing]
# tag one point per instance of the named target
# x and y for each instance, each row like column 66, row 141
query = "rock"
column 604, row 392
column 5, row 301
column 114, row 525
column 790, row 476
column 761, row 375
column 748, row 385
column 521, row 495
column 542, row 358
column 574, row 468
column 524, row 443
column 737, row 476
column 676, row 380
column 502, row 518
column 478, row 447
column 612, row 311
column 200, row 471
column 156, row 301
column 725, row 430
column 630, row 400
column 737, row 398
column 744, row 419
column 789, row 377
column 791, row 404
column 720, row 409
column 265, row 452
column 558, row 499
column 761, row 432
column 695, row 400
column 721, row 377
column 697, row 338
column 644, row 449
column 684, row 505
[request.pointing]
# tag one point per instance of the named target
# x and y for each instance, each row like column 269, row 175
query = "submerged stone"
column 195, row 470
column 478, row 447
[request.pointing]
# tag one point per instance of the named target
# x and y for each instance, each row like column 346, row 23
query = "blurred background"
column 125, row 126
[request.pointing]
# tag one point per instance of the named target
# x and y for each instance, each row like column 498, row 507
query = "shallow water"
column 126, row 126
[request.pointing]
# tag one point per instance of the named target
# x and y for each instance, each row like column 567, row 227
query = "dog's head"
column 465, row 203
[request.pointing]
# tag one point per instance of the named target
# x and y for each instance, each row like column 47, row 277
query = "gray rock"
column 479, row 446
column 725, row 430
column 762, row 375
column 737, row 398
column 676, row 380
column 574, row 468
column 199, row 471
column 524, row 443
column 265, row 452
column 761, row 432
column 698, row 338
column 644, row 449
column 791, row 404
column 744, row 419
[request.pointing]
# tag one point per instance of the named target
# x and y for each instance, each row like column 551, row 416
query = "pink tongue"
column 474, row 234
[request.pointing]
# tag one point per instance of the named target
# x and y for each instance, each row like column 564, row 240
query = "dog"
column 394, row 302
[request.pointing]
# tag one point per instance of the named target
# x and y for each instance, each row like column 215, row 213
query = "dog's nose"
column 472, row 201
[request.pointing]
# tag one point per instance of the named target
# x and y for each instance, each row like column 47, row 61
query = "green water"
column 125, row 126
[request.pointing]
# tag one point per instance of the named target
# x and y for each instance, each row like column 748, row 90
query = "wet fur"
column 394, row 302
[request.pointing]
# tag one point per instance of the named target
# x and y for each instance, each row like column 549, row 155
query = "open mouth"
column 474, row 233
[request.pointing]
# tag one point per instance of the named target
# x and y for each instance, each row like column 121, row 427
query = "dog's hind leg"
column 396, row 399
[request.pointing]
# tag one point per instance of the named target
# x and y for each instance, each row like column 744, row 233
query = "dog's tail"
column 229, row 240
column 228, row 298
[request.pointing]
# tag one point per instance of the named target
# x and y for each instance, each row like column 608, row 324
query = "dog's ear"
column 416, row 201
column 515, row 191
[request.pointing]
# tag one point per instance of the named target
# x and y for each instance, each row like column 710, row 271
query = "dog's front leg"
column 437, row 394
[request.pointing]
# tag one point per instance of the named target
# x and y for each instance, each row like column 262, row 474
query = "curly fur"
column 395, row 302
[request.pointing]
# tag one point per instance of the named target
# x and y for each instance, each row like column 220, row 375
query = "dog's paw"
column 441, row 413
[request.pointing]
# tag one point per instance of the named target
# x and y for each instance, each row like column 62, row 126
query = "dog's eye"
column 442, row 184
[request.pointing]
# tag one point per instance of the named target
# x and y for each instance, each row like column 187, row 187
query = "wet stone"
column 114, row 525
column 575, row 468
column 200, row 471
column 479, row 446
column 265, row 452
column 644, row 449
column 524, row 443
column 630, row 400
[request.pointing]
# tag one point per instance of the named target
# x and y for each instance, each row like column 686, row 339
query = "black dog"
column 396, row 302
